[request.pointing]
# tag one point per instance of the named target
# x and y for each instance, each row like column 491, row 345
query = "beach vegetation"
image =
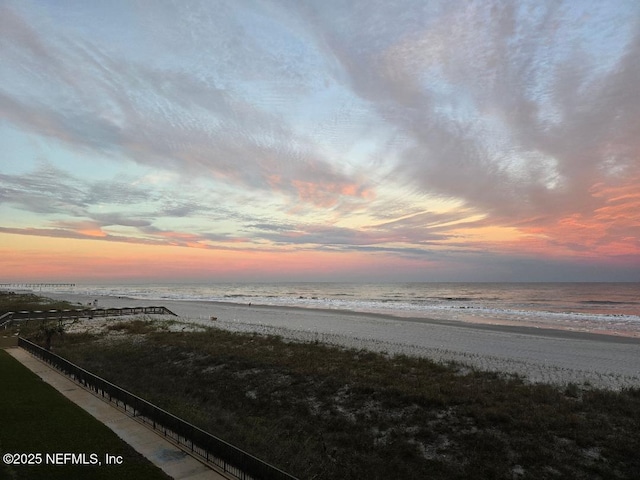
column 18, row 301
column 324, row 412
column 47, row 329
column 44, row 330
column 137, row 326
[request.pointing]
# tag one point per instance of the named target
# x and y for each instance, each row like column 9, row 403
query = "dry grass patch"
column 326, row 412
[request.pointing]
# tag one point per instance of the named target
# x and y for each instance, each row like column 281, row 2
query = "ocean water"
column 612, row 308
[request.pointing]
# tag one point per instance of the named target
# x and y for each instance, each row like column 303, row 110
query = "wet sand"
column 541, row 355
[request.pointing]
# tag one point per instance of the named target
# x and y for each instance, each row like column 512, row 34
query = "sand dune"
column 554, row 356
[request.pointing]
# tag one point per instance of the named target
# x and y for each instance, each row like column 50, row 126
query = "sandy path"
column 554, row 356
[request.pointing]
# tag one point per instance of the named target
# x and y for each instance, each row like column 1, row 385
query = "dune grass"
column 324, row 412
column 15, row 302
column 37, row 419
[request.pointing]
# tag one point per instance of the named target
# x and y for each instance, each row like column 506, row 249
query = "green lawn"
column 37, row 419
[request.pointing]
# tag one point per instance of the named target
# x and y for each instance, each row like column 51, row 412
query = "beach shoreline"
column 539, row 354
column 204, row 306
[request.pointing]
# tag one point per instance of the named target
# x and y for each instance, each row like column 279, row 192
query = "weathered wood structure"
column 74, row 314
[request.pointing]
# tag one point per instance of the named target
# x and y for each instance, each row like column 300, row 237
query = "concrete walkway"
column 162, row 453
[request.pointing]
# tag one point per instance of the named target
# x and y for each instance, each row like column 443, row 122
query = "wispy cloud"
column 167, row 118
column 410, row 128
column 503, row 107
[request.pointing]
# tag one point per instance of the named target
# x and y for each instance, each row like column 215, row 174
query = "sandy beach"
column 541, row 355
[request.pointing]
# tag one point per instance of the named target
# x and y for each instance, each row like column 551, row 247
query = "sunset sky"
column 371, row 140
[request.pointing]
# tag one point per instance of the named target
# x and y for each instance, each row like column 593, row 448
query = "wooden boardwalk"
column 74, row 314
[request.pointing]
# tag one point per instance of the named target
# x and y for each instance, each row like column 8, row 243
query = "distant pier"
column 35, row 285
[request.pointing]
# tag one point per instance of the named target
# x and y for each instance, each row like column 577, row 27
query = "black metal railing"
column 210, row 448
